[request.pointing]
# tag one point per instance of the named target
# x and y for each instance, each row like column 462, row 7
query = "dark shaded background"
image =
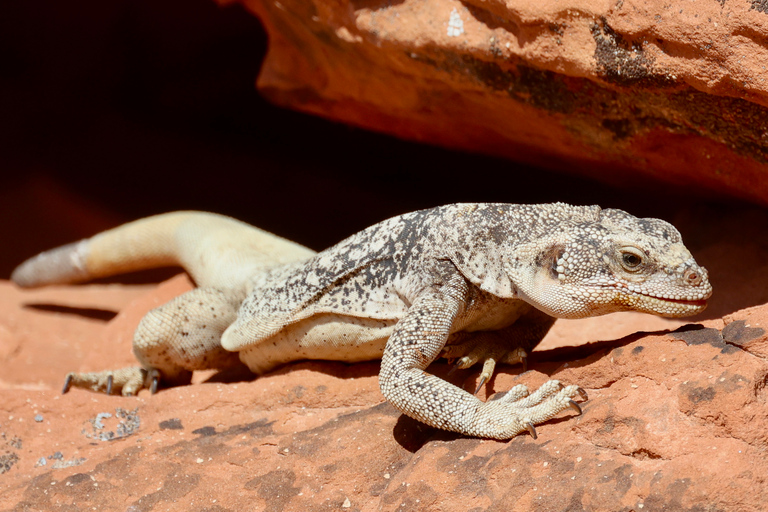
column 114, row 110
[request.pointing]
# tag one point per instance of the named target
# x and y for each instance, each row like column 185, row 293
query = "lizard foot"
column 517, row 411
column 125, row 381
column 490, row 350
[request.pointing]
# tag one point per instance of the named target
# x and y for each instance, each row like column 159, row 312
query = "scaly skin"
column 481, row 283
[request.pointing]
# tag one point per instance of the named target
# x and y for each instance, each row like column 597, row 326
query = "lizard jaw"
column 667, row 307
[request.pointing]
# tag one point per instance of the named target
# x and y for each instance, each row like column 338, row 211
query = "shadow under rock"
column 92, row 313
column 241, row 373
column 578, row 354
column 730, row 339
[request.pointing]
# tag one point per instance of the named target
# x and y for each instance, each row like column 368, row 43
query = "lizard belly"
column 326, row 336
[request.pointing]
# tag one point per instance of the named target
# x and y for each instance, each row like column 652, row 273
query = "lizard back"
column 364, row 276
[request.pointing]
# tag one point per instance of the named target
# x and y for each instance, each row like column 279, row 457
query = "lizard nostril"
column 692, row 277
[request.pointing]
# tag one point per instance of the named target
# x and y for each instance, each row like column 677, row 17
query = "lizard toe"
column 513, row 395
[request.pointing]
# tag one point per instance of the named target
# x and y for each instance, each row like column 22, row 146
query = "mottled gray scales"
column 359, row 277
column 475, row 283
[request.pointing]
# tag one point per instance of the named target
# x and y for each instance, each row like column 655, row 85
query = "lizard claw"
column 67, row 384
column 576, row 407
column 154, row 376
column 582, row 393
column 480, row 384
column 110, row 381
column 532, row 430
column 456, row 366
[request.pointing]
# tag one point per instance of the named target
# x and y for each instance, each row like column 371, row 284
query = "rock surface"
column 675, row 421
column 617, row 90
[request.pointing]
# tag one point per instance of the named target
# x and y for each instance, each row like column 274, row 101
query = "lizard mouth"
column 682, row 306
column 697, row 303
column 668, row 306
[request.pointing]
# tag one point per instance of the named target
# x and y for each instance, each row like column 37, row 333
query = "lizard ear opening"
column 553, row 260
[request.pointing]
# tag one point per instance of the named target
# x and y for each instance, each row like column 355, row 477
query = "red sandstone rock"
column 622, row 91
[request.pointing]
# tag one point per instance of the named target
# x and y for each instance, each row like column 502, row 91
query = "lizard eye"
column 631, row 258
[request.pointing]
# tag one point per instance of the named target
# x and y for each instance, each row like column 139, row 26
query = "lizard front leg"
column 417, row 340
column 171, row 341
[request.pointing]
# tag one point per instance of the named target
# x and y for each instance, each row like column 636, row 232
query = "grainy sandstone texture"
column 622, row 90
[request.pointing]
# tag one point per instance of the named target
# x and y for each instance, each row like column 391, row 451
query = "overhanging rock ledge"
column 675, row 90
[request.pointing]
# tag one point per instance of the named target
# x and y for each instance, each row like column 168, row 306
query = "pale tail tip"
column 23, row 275
column 65, row 264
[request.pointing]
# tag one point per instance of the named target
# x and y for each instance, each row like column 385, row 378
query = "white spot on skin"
column 455, row 24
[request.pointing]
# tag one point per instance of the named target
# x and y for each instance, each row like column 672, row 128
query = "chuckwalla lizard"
column 478, row 283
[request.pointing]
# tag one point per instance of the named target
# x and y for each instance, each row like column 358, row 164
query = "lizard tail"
column 216, row 250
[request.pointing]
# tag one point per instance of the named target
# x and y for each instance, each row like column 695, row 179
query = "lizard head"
column 616, row 263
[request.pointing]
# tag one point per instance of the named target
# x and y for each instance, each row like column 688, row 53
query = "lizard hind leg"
column 486, row 347
column 171, row 342
column 184, row 335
